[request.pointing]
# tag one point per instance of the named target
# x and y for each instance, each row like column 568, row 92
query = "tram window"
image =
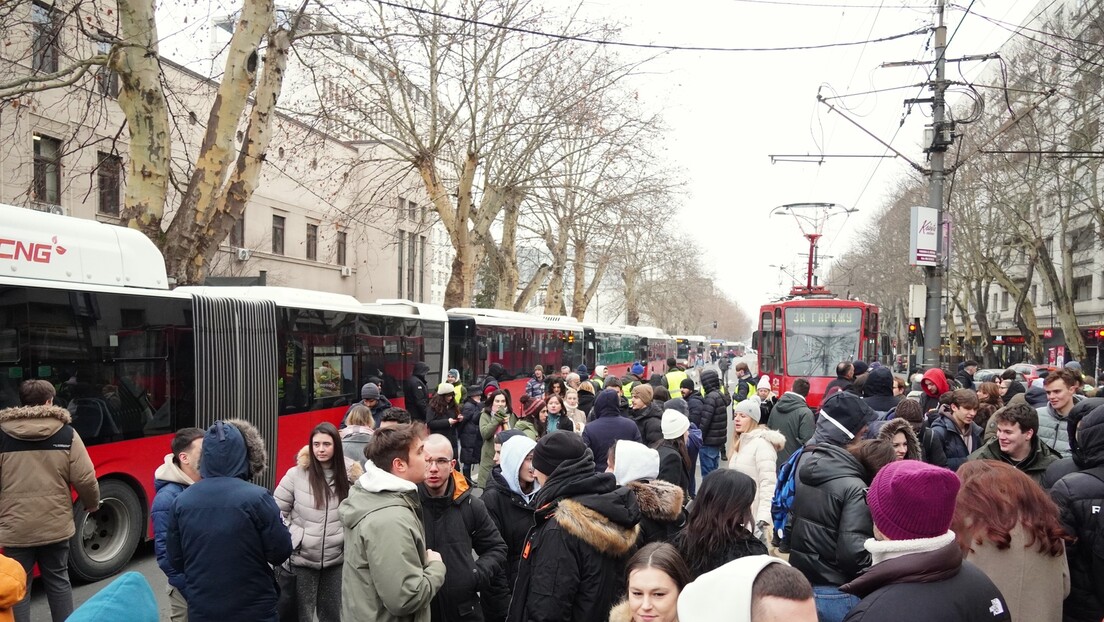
column 123, row 366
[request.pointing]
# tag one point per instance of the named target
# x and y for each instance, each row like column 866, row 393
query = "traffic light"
column 1097, row 334
column 913, row 329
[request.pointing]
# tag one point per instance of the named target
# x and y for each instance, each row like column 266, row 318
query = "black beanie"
column 687, row 383
column 555, row 449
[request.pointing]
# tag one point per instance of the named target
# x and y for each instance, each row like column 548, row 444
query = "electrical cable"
column 645, row 46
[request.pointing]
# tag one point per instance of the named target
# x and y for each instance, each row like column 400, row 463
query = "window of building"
column 47, row 28
column 422, row 270
column 1034, row 295
column 1083, row 239
column 402, row 240
column 312, row 242
column 237, row 233
column 278, row 234
column 411, row 210
column 1082, row 288
column 341, row 248
column 1004, row 301
column 107, row 81
column 47, row 169
column 109, row 175
column 411, row 263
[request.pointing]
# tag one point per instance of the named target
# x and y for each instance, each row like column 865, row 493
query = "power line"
column 645, row 46
column 818, row 5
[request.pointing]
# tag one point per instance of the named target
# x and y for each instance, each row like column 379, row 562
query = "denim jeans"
column 832, row 605
column 709, row 458
column 53, row 564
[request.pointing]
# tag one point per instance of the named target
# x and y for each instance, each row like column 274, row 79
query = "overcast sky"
column 729, row 111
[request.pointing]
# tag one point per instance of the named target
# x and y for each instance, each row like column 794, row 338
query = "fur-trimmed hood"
column 594, row 528
column 774, row 437
column 233, row 448
column 658, row 500
column 892, row 427
column 352, row 467
column 33, row 422
column 621, row 612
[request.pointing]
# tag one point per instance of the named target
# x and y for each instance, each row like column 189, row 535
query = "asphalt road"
column 142, row 562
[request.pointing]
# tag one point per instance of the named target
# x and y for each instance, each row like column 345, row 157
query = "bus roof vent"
column 39, row 245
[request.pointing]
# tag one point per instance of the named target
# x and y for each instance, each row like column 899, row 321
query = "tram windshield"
column 819, row 338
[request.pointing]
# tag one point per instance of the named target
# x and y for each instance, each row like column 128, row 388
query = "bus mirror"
column 755, row 340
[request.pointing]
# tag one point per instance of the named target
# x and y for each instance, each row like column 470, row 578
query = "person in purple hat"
column 918, row 572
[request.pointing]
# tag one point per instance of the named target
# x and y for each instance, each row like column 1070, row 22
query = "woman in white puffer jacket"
column 755, row 454
column 308, row 497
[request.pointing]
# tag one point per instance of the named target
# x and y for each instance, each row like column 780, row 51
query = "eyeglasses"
column 440, row 462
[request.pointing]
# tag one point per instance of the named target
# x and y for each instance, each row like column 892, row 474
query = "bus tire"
column 104, row 543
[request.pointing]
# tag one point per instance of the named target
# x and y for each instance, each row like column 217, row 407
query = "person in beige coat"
column 41, row 456
column 308, row 497
column 1008, row 527
column 755, row 454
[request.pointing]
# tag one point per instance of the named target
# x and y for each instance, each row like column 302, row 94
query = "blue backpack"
column 783, row 498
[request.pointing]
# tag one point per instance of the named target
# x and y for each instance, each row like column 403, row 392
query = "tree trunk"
column 1024, row 315
column 553, row 297
column 531, row 288
column 1063, row 304
column 987, row 354
column 247, row 170
column 632, row 300
column 216, row 151
column 143, row 103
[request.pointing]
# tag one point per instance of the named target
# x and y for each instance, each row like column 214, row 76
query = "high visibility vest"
column 459, row 388
column 674, row 380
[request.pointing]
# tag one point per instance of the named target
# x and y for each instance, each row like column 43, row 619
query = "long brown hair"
column 661, row 556
column 994, row 499
column 316, row 474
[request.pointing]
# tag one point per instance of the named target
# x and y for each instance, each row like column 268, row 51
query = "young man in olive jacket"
column 572, row 567
column 388, row 574
column 456, row 523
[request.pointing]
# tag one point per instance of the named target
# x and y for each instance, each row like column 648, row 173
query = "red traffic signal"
column 1098, row 333
column 913, row 327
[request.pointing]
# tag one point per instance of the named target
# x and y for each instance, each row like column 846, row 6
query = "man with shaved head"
column 456, row 523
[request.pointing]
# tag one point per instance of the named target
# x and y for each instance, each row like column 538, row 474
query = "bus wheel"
column 105, row 542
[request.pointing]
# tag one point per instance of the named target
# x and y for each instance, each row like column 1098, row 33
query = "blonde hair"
column 361, row 415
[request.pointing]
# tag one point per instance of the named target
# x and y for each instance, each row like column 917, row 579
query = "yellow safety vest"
column 674, row 380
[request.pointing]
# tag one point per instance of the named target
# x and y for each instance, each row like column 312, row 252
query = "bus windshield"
column 819, row 338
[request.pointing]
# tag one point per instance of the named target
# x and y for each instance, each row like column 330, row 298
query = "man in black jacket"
column 1080, row 497
column 416, row 393
column 830, row 521
column 714, row 422
column 456, row 523
column 572, row 568
column 845, row 373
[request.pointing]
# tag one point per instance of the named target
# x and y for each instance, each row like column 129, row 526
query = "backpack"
column 783, row 498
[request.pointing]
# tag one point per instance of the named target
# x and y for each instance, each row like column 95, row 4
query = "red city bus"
column 86, row 307
column 807, row 337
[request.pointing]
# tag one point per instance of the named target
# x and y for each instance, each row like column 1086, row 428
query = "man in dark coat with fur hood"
column 572, row 567
column 224, row 532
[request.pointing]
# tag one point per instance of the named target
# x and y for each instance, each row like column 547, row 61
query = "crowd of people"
column 924, row 498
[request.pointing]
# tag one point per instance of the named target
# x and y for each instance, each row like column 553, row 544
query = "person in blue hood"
column 224, row 533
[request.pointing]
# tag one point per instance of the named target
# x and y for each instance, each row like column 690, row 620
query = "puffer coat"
column 41, row 456
column 714, row 418
column 830, row 522
column 317, row 536
column 756, row 456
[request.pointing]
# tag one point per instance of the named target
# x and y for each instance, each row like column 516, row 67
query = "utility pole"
column 941, row 139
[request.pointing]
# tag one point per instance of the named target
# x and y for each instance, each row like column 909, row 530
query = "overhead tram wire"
column 645, row 46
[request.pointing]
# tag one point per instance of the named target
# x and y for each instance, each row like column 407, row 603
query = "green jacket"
column 385, row 576
column 1034, row 466
column 527, row 428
